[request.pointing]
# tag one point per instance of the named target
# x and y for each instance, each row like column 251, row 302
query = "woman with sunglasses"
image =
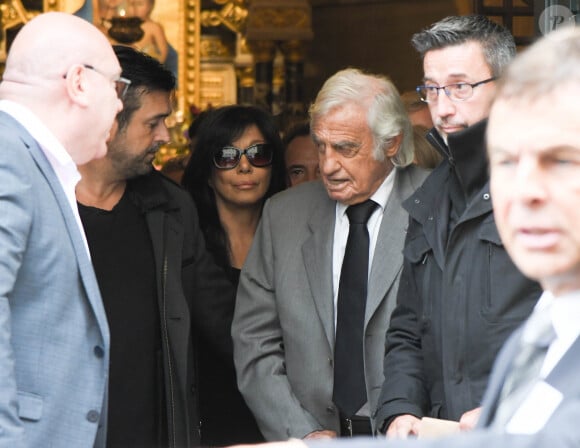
column 237, row 163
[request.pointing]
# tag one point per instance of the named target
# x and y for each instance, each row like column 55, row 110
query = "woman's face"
column 245, row 185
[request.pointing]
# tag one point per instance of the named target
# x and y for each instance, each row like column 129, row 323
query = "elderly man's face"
column 463, row 63
column 534, row 153
column 345, row 151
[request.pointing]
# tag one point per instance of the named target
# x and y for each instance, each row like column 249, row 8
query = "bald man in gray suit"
column 58, row 99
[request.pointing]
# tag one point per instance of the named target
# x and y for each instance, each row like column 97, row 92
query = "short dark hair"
column 497, row 42
column 146, row 74
column 297, row 130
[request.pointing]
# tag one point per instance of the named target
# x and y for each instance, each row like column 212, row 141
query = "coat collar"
column 148, row 192
column 466, row 158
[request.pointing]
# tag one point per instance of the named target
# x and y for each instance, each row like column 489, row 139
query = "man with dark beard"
column 152, row 268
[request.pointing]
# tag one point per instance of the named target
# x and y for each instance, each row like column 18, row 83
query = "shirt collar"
column 38, row 130
column 565, row 313
column 380, row 196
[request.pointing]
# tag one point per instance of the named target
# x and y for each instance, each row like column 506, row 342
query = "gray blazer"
column 54, row 338
column 283, row 327
column 563, row 377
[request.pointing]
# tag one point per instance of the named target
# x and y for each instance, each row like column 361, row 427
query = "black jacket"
column 460, row 295
column 193, row 294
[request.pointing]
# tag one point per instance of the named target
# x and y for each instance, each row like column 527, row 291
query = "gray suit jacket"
column 563, row 377
column 283, row 327
column 54, row 338
column 562, row 430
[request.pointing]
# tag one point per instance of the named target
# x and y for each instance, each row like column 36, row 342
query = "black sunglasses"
column 259, row 155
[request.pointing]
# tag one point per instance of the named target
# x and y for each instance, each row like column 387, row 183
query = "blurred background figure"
column 426, row 156
column 153, row 42
column 300, row 155
column 418, row 110
column 236, row 165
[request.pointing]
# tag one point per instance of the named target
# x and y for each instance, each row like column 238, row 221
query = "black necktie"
column 349, row 380
column 526, row 367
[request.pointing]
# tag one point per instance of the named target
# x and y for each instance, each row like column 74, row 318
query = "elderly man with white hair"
column 320, row 282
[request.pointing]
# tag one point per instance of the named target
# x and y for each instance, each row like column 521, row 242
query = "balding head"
column 48, row 44
column 62, row 66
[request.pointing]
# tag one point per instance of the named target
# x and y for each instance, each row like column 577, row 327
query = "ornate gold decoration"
column 13, row 13
column 286, row 20
column 189, row 71
column 187, row 45
column 233, row 15
column 69, row 6
column 212, row 47
column 246, row 76
column 281, row 18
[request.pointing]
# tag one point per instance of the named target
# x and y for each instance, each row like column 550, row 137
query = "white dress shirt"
column 59, row 159
column 341, row 228
column 542, row 401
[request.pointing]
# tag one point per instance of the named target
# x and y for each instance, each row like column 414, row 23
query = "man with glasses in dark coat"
column 460, row 295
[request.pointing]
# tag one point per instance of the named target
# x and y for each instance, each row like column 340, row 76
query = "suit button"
column 330, row 361
column 330, row 409
column 98, row 351
column 93, row 416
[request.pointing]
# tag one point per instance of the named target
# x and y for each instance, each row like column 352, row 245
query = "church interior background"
column 277, row 53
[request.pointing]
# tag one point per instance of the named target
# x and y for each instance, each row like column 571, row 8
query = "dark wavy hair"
column 219, row 128
column 146, row 75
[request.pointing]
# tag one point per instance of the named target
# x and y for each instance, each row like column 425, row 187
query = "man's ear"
column 76, row 83
column 393, row 145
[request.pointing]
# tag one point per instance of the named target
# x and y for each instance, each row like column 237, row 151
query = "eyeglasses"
column 121, row 84
column 259, row 155
column 458, row 92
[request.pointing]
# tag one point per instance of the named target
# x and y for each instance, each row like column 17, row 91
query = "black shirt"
column 122, row 256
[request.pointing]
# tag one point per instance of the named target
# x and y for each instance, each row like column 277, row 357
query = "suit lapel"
column 388, row 250
column 73, row 231
column 564, row 375
column 495, row 385
column 317, row 254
